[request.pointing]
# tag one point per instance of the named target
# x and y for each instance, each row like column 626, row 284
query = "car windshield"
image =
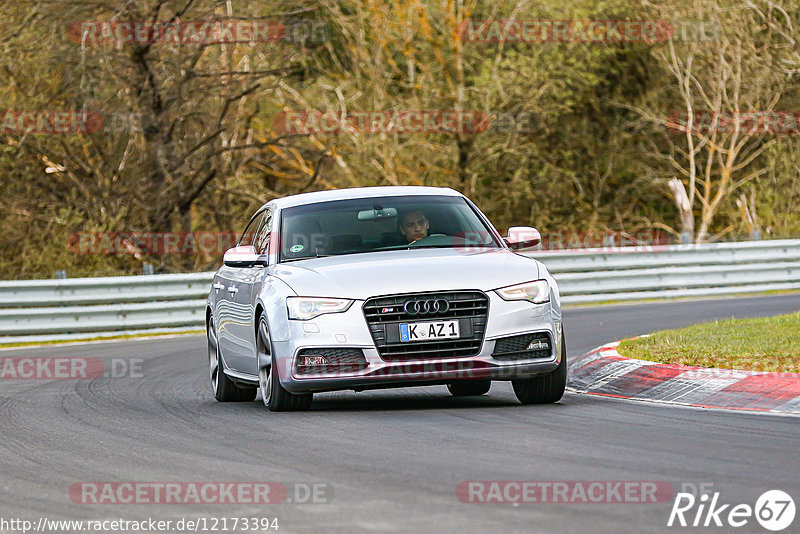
column 356, row 226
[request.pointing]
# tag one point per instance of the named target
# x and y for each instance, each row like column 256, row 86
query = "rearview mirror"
column 244, row 256
column 520, row 237
column 376, row 214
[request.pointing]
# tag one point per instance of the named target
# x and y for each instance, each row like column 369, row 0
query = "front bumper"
column 350, row 330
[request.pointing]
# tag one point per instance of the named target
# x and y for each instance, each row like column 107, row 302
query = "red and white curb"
column 604, row 372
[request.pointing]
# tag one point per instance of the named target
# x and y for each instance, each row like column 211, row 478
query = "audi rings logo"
column 426, row 307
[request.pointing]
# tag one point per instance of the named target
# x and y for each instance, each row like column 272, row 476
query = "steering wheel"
column 433, row 239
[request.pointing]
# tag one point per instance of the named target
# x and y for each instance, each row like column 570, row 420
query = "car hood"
column 360, row 276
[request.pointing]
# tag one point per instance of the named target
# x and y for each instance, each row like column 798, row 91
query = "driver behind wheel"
column 414, row 225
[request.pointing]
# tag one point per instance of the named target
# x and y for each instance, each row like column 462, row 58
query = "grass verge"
column 100, row 338
column 681, row 299
column 763, row 344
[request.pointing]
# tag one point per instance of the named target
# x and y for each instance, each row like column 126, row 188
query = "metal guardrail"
column 636, row 273
column 43, row 310
column 48, row 310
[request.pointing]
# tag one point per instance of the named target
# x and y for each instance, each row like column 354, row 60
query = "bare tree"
column 183, row 120
column 724, row 92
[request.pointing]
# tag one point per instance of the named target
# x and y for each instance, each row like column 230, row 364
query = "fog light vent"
column 538, row 344
column 330, row 360
column 311, row 360
column 523, row 347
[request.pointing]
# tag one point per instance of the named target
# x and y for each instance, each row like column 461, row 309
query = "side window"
column 264, row 234
column 249, row 234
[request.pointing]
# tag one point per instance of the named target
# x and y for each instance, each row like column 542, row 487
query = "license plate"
column 429, row 330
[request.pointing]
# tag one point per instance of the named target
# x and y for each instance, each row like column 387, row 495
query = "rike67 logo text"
column 774, row 510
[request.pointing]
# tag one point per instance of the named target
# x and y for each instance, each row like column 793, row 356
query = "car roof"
column 362, row 192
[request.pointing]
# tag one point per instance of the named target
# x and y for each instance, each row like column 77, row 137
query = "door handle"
column 233, row 289
column 218, row 286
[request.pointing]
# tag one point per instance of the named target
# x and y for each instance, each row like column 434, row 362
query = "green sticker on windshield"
column 297, row 248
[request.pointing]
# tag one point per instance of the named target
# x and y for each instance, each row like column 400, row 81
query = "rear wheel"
column 273, row 394
column 469, row 388
column 544, row 389
column 224, row 389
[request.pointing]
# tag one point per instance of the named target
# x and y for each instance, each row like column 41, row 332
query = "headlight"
column 537, row 292
column 305, row 308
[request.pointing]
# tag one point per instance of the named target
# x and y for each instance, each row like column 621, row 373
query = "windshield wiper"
column 412, row 247
column 287, row 260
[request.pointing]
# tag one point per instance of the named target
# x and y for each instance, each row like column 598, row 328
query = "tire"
column 469, row 388
column 545, row 389
column 273, row 394
column 224, row 389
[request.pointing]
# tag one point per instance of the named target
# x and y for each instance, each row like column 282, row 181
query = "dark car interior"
column 332, row 231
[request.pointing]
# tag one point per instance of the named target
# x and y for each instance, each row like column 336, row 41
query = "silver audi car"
column 381, row 287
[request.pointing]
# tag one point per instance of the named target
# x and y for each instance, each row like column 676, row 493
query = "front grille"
column 339, row 361
column 385, row 314
column 515, row 347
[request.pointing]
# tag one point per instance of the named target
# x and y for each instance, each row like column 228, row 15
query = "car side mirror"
column 520, row 237
column 244, row 256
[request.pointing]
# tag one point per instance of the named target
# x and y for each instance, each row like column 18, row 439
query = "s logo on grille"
column 426, row 307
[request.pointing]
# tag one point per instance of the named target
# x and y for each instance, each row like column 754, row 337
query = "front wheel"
column 273, row 394
column 545, row 389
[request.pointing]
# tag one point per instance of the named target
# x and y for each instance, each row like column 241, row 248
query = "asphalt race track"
column 393, row 458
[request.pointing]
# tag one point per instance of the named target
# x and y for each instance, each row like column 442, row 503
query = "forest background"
column 573, row 135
